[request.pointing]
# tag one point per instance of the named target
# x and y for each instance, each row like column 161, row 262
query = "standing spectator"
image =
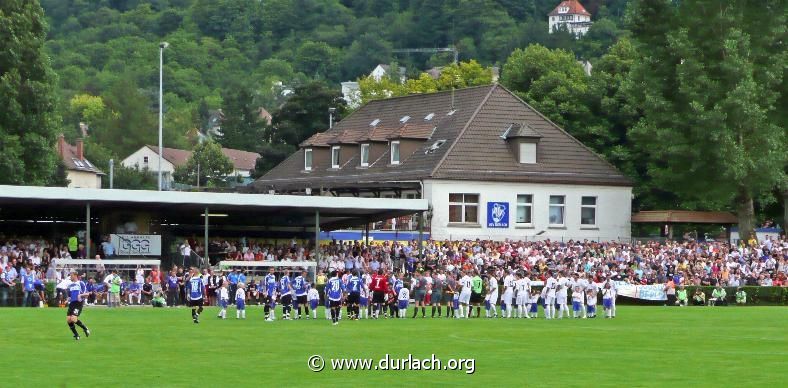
column 172, row 288
column 147, row 292
column 114, row 289
column 108, row 248
column 154, row 278
column 7, row 284
column 29, row 287
column 670, row 292
column 186, row 252
column 73, row 245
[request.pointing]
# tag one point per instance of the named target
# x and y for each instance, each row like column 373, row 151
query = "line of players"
column 389, row 296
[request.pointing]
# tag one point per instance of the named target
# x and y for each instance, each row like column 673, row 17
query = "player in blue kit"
column 77, row 291
column 334, row 291
column 301, row 288
column 196, row 294
column 354, row 286
column 286, row 295
column 270, row 295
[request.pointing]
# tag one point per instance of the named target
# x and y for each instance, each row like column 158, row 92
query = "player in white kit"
column 492, row 296
column 466, row 283
column 561, row 296
column 508, row 294
column 549, row 299
column 522, row 286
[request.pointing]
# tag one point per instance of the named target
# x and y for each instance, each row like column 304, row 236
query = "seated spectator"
column 718, row 297
column 699, row 298
column 158, row 301
column 681, row 296
column 147, row 291
column 741, row 296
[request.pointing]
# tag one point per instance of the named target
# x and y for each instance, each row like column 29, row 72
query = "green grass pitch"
column 643, row 346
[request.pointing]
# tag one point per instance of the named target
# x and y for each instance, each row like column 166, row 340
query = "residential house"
column 79, row 170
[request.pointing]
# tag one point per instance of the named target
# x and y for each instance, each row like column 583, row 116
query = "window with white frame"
column 556, row 212
column 395, row 152
column 464, row 208
column 364, row 155
column 308, row 159
column 525, row 203
column 335, row 157
column 588, row 211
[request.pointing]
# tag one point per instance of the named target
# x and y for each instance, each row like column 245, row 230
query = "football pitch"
column 642, row 346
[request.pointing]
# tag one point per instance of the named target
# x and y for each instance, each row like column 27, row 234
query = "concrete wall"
column 83, row 179
column 613, row 211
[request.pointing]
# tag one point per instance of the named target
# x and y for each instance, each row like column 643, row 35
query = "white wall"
column 613, row 212
column 83, row 179
column 138, row 159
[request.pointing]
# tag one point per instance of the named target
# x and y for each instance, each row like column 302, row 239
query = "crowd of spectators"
column 27, row 264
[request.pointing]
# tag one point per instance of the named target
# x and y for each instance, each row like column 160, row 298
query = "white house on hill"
column 570, row 14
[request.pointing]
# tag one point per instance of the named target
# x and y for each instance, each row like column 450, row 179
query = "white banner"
column 136, row 244
column 645, row 292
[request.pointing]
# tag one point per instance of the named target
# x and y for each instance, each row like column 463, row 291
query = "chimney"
column 80, row 149
column 61, row 145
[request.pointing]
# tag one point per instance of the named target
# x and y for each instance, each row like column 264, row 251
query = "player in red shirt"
column 378, row 286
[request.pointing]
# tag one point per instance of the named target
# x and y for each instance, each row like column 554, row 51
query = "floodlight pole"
column 87, row 230
column 317, row 240
column 162, row 46
column 206, row 259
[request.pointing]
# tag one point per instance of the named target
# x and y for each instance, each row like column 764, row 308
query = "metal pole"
column 87, row 230
column 317, row 235
column 111, row 172
column 366, row 233
column 161, row 106
column 205, row 242
column 421, row 234
column 198, row 175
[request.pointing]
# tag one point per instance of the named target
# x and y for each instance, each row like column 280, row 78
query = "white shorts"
column 561, row 299
column 507, row 297
column 465, row 297
column 550, row 300
column 522, row 299
column 494, row 298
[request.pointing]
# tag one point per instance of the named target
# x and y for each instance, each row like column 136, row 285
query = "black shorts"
column 74, row 309
column 377, row 296
column 286, row 300
column 195, row 303
column 476, row 297
column 334, row 303
column 353, row 298
column 301, row 299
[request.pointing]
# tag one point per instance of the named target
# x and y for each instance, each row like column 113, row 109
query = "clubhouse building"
column 490, row 166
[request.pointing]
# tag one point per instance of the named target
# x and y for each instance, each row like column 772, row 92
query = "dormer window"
column 429, row 116
column 374, row 122
column 308, row 159
column 527, row 152
column 335, row 157
column 451, row 112
column 522, row 140
column 395, row 152
column 364, row 151
column 404, row 119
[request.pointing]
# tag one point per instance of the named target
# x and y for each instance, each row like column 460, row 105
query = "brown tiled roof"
column 521, row 130
column 320, row 139
column 472, row 149
column 413, row 131
column 684, row 216
column 242, row 160
column 72, row 160
column 575, row 8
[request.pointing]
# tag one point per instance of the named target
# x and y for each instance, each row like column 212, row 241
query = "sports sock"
column 433, row 311
column 73, row 329
column 243, row 314
column 82, row 325
column 439, row 311
column 423, row 311
column 415, row 311
column 194, row 314
column 478, row 312
column 237, row 314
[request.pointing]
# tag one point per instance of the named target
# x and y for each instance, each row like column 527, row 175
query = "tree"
column 130, row 124
column 554, row 84
column 241, row 128
column 462, row 75
column 305, row 113
column 708, row 78
column 28, row 119
column 270, row 156
column 213, row 166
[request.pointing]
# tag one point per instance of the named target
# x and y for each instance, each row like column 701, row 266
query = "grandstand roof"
column 23, row 202
column 684, row 216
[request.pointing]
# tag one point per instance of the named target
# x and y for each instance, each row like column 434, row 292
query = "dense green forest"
column 683, row 97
